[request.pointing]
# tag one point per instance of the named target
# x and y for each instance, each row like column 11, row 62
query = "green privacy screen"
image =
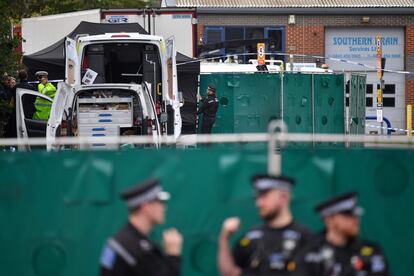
column 57, row 209
column 312, row 103
column 247, row 101
column 357, row 91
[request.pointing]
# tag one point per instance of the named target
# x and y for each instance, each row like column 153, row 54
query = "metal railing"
column 276, row 138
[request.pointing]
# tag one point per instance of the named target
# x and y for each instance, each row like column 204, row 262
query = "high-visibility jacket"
column 43, row 106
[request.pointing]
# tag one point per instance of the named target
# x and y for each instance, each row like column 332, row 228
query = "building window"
column 220, row 41
column 215, row 35
column 369, row 88
column 368, row 102
column 388, row 102
column 389, row 89
column 253, row 36
column 233, row 36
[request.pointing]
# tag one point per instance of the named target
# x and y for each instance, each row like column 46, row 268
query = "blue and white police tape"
column 371, row 67
column 389, row 128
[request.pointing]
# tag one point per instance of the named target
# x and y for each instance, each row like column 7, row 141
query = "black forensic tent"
column 52, row 60
column 188, row 70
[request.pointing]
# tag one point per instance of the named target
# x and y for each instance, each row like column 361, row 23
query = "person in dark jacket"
column 209, row 109
column 337, row 251
column 23, row 82
column 130, row 252
column 6, row 108
column 5, row 92
column 270, row 248
column 28, row 101
column 28, row 104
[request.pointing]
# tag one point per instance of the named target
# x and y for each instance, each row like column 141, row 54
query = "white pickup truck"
column 115, row 84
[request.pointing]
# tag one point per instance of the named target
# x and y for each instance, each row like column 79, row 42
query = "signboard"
column 360, row 45
column 379, row 56
column 260, row 53
column 120, row 18
column 117, row 19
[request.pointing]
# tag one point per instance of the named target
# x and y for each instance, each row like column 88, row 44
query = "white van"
column 116, row 84
column 96, row 110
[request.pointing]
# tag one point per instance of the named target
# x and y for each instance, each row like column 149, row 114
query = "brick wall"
column 308, row 40
column 308, row 20
column 409, row 64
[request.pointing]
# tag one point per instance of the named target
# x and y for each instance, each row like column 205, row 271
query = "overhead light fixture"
column 291, row 19
column 365, row 19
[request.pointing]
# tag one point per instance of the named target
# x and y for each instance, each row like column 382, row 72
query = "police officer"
column 130, row 252
column 209, row 109
column 43, row 106
column 267, row 249
column 337, row 251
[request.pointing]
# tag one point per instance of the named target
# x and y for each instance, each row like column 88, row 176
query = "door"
column 71, row 62
column 171, row 70
column 172, row 94
column 60, row 111
column 27, row 127
column 147, row 101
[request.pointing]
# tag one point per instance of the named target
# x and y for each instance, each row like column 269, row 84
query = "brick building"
column 343, row 29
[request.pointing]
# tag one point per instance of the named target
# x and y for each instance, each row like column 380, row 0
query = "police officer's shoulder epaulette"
column 255, row 232
column 257, row 227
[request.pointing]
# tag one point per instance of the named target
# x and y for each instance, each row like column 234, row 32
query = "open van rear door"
column 59, row 113
column 172, row 93
column 71, row 62
column 27, row 127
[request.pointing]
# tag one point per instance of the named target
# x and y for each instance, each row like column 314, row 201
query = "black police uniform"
column 208, row 109
column 266, row 250
column 130, row 252
column 355, row 258
column 270, row 251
